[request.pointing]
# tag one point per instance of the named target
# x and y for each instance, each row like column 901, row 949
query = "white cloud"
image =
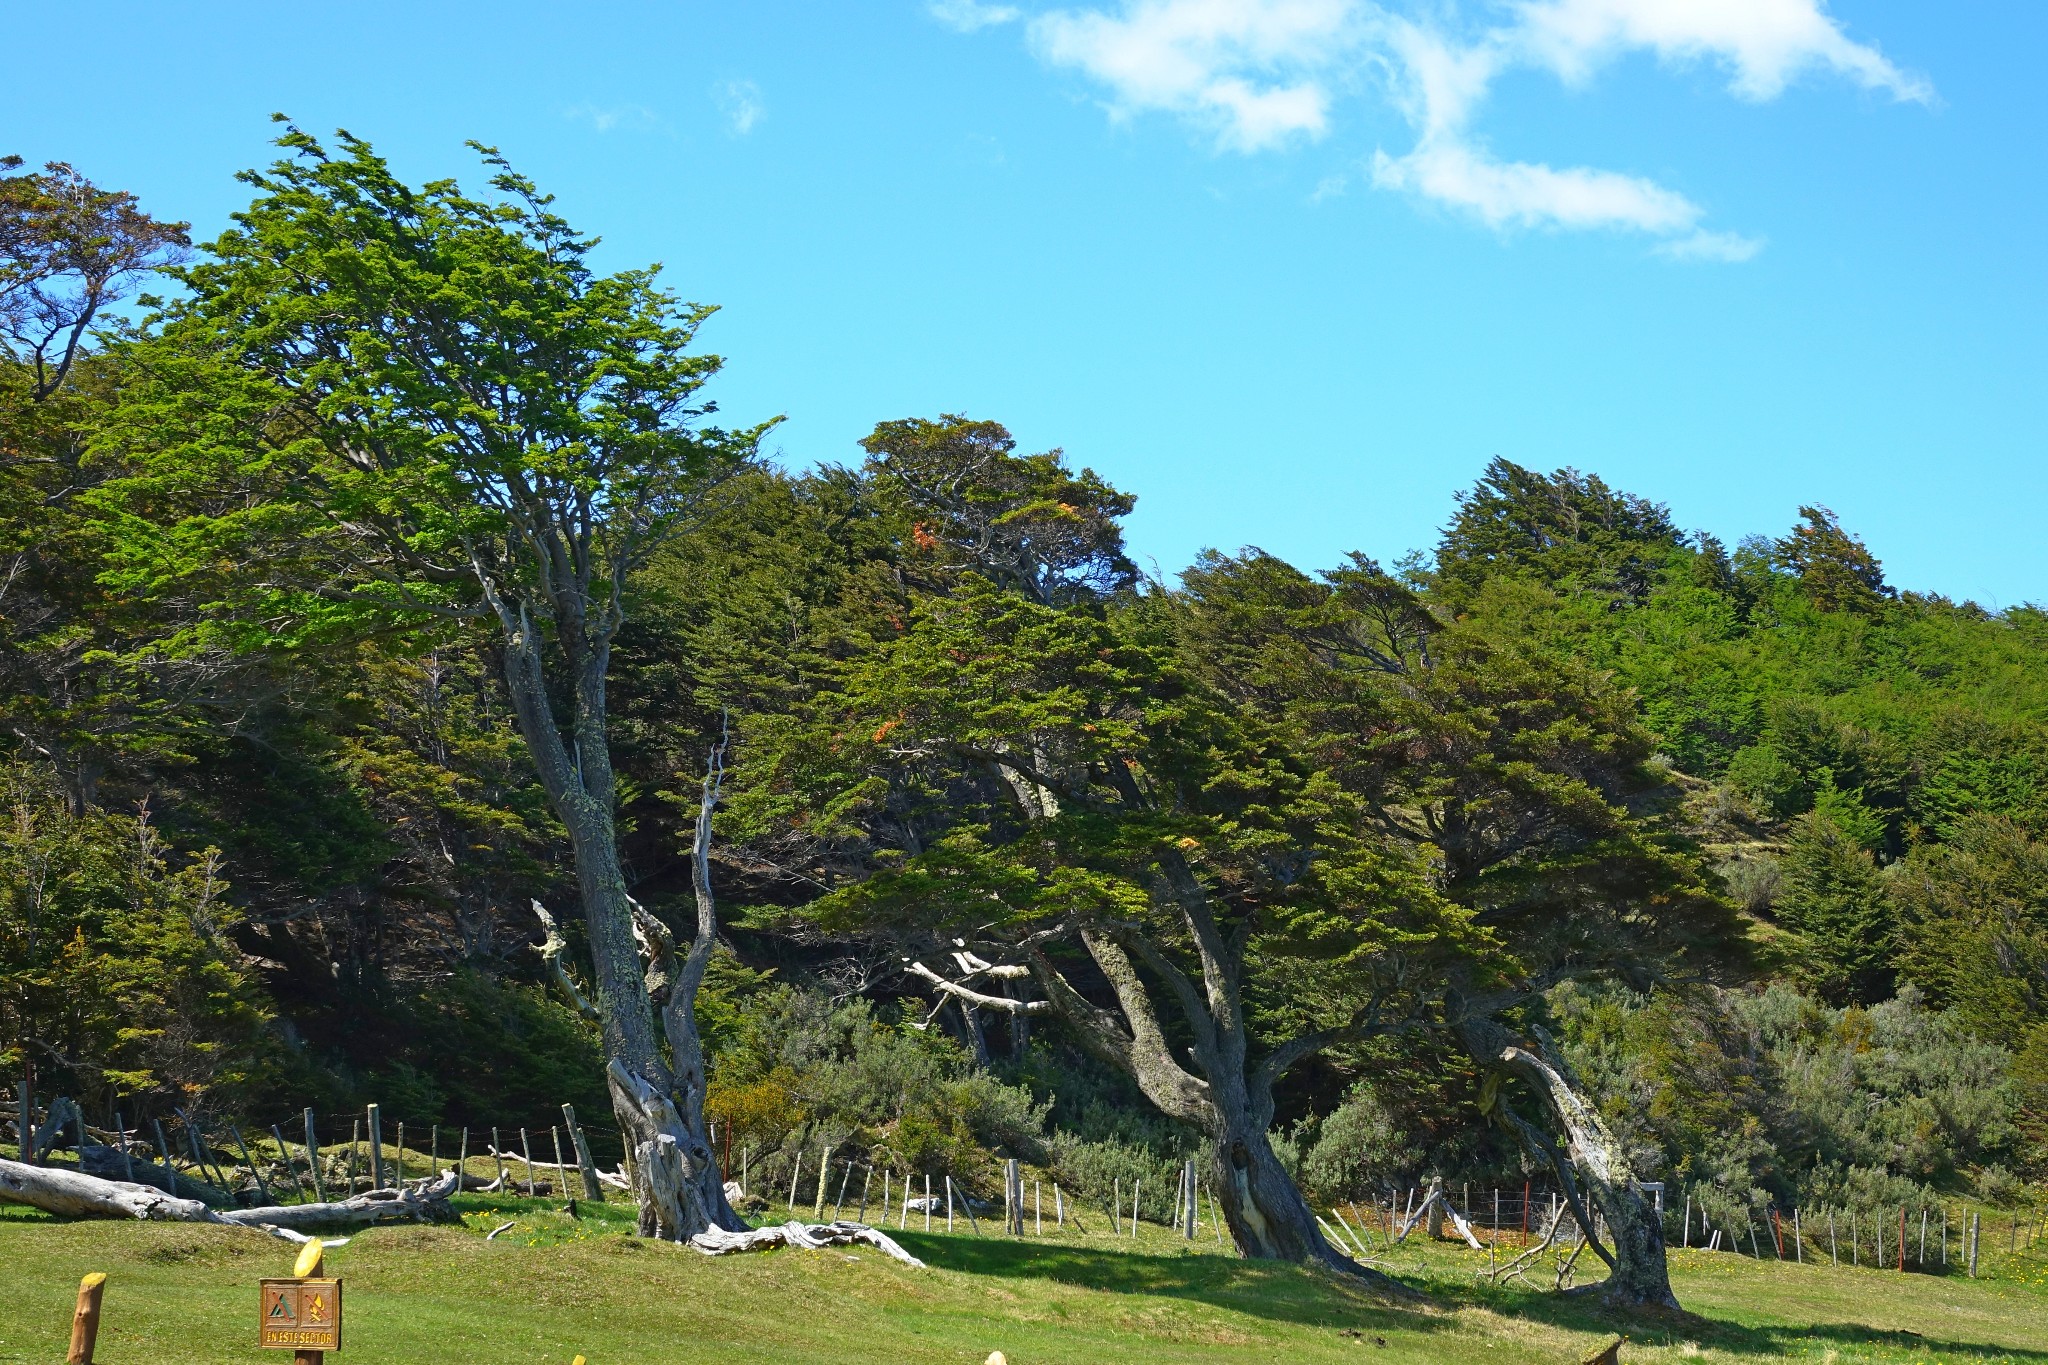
column 1522, row 194
column 1248, row 70
column 630, row 117
column 1711, row 246
column 740, row 102
column 1765, row 42
column 1259, row 74
column 968, row 15
column 1330, row 187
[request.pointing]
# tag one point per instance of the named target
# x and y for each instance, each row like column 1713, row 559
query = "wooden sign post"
column 301, row 1314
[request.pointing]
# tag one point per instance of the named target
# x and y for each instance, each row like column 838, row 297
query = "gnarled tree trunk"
column 658, row 1101
column 1261, row 1205
column 1593, row 1158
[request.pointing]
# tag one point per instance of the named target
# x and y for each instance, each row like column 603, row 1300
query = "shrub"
column 1359, row 1147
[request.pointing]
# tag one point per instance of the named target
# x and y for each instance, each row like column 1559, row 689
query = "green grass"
column 553, row 1287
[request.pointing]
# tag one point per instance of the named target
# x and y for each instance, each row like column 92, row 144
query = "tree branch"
column 1005, row 1004
column 551, row 949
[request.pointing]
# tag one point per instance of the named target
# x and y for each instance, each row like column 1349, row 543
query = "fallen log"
column 717, row 1241
column 73, row 1194
column 419, row 1201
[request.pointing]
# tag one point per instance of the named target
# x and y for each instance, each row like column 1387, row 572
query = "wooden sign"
column 300, row 1315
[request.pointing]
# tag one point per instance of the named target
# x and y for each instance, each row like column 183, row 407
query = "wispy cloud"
column 969, row 15
column 1530, row 194
column 1711, row 246
column 1764, row 43
column 740, row 102
column 637, row 118
column 1253, row 72
column 1254, row 75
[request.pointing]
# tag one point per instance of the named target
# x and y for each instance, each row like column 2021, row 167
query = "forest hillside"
column 1017, row 853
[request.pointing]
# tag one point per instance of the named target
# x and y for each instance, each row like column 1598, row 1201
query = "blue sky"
column 1290, row 270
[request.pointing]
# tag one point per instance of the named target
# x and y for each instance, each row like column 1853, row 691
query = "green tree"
column 447, row 413
column 68, row 250
column 71, row 692
column 1564, row 528
column 1973, row 924
column 1832, row 895
column 1026, row 522
column 1836, row 571
column 116, row 974
column 1027, row 795
column 1487, row 747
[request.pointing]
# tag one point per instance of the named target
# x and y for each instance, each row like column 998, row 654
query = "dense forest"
column 397, row 660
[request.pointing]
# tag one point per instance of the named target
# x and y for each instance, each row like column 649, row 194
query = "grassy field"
column 554, row 1287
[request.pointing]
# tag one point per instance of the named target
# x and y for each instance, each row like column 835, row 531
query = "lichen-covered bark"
column 1230, row 1101
column 1637, row 1273
column 658, row 1100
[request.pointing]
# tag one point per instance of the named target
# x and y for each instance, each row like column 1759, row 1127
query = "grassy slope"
column 552, row 1288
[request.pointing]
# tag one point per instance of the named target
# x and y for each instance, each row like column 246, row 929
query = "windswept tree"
column 1026, row 793
column 69, row 250
column 1836, row 570
column 1519, row 777
column 413, row 404
column 71, row 692
column 1563, row 528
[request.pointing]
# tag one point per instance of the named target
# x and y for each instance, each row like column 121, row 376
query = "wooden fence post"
column 291, row 1168
column 593, row 1188
column 561, row 1170
column 824, row 1170
column 526, row 1151
column 313, row 1159
column 262, row 1185
column 127, row 1162
column 795, row 1175
column 844, row 1181
column 498, row 1155
column 193, row 1140
column 967, row 1206
column 85, row 1321
column 373, row 1119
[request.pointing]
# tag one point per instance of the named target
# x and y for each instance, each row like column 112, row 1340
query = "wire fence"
column 315, row 1157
